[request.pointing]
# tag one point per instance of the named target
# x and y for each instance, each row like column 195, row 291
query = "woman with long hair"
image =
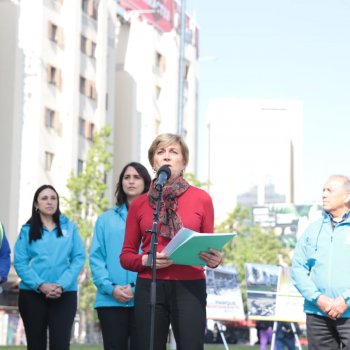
column 115, row 286
column 48, row 257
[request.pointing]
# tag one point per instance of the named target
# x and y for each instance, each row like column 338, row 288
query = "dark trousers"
column 118, row 327
column 40, row 314
column 285, row 342
column 179, row 303
column 326, row 334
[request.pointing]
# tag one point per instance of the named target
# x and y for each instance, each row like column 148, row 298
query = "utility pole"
column 180, row 100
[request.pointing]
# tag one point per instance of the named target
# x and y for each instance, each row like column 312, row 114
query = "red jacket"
column 195, row 208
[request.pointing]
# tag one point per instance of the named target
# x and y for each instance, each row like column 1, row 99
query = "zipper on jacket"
column 330, row 261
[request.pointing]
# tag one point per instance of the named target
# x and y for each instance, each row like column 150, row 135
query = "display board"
column 271, row 294
column 224, row 297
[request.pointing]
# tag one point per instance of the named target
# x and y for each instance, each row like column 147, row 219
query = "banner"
column 11, row 328
column 271, row 294
column 224, row 297
column 160, row 13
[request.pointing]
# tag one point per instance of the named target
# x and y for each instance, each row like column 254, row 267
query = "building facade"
column 255, row 152
column 70, row 67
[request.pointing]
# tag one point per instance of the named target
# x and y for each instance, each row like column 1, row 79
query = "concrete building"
column 255, row 152
column 70, row 67
column 147, row 74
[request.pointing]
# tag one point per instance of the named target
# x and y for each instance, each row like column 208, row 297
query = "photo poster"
column 271, row 295
column 224, row 297
column 11, row 328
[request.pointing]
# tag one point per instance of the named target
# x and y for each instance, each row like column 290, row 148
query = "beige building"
column 255, row 152
column 69, row 67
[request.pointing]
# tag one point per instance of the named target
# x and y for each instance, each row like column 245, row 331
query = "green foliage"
column 252, row 244
column 193, row 180
column 86, row 201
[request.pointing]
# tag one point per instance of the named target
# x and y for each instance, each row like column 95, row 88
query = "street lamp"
column 180, row 99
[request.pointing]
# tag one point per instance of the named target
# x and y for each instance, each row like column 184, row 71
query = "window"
column 160, row 62
column 93, row 49
column 83, row 41
column 82, row 127
column 86, row 129
column 89, row 7
column 55, row 33
column 87, row 46
column 82, row 85
column 90, row 128
column 80, row 166
column 87, row 88
column 49, row 118
column 53, row 29
column 48, row 160
column 53, row 72
column 53, row 76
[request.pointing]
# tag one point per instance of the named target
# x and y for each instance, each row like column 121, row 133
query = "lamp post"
column 180, row 99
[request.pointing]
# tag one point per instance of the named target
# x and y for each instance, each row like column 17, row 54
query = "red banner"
column 160, row 13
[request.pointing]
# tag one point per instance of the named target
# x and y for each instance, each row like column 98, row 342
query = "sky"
column 292, row 49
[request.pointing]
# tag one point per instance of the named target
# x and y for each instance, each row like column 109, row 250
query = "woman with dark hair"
column 115, row 286
column 180, row 289
column 48, row 257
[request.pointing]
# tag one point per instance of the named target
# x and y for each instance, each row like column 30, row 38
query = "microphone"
column 163, row 175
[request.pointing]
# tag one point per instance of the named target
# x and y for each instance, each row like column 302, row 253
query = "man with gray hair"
column 321, row 269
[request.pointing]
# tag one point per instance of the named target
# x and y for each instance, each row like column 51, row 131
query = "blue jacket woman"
column 48, row 257
column 104, row 257
column 115, row 286
column 51, row 259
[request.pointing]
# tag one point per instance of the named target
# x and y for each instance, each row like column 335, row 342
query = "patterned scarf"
column 171, row 222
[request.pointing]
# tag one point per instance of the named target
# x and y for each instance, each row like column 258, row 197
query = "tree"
column 85, row 202
column 190, row 177
column 252, row 244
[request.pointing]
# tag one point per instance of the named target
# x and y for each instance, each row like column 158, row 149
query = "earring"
column 37, row 210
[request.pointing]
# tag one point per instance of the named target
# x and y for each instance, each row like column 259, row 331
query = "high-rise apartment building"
column 70, row 67
column 255, row 152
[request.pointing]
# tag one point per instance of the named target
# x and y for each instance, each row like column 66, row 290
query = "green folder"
column 185, row 247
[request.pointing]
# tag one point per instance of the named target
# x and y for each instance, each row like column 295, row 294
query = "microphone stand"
column 151, row 261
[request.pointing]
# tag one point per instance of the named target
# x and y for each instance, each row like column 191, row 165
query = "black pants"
column 179, row 303
column 118, row 327
column 324, row 333
column 40, row 314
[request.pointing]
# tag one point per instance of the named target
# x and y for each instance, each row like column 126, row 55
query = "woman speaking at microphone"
column 181, row 289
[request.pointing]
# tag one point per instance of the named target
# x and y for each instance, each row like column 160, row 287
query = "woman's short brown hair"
column 165, row 140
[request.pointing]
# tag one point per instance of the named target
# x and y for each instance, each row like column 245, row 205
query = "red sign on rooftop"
column 160, row 13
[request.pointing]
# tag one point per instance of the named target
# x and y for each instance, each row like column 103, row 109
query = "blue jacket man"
column 5, row 252
column 321, row 269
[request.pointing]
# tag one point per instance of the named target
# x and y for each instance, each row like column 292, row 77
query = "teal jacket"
column 321, row 263
column 50, row 259
column 107, row 243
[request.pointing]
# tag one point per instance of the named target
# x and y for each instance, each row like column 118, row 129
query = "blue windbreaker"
column 107, row 243
column 50, row 259
column 321, row 263
column 5, row 252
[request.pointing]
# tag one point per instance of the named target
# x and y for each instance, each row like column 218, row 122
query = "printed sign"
column 271, row 294
column 224, row 297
